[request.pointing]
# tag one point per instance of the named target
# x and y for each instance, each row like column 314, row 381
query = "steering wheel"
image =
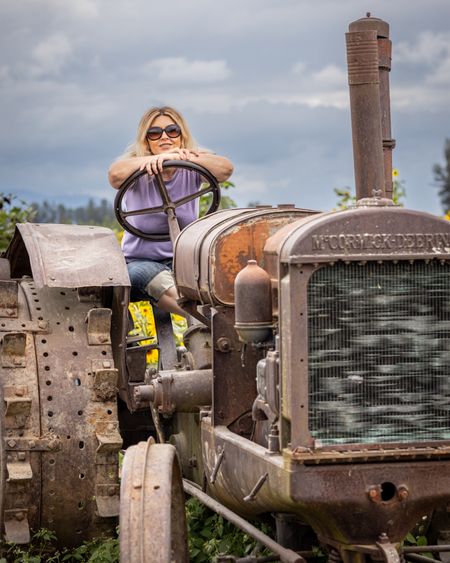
column 168, row 206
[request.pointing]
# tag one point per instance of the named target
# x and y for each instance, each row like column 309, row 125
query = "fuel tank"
column 210, row 252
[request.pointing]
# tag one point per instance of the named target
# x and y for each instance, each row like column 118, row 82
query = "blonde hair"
column 141, row 147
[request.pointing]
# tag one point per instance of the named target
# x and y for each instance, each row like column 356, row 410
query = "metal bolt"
column 192, row 461
column 223, row 344
column 403, row 493
column 32, row 443
column 42, row 324
column 12, row 443
column 9, row 312
column 20, row 516
column 102, row 338
column 106, row 364
column 374, row 493
column 111, row 491
column 21, row 456
column 19, row 392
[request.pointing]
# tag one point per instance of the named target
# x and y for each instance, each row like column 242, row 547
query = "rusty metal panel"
column 17, row 529
column 234, row 368
column 8, row 298
column 13, row 350
column 5, row 269
column 71, row 255
column 210, row 253
column 99, row 326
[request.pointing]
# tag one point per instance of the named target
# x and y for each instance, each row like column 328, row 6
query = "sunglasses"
column 173, row 131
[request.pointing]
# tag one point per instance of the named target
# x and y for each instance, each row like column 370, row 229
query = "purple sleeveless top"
column 144, row 194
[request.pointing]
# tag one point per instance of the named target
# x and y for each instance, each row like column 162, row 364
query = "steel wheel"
column 152, row 517
column 58, row 419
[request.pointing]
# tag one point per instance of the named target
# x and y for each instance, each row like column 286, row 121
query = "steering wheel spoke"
column 169, row 204
column 146, row 211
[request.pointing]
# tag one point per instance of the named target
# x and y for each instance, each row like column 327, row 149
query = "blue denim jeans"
column 141, row 273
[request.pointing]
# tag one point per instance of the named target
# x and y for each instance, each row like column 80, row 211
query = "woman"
column 162, row 135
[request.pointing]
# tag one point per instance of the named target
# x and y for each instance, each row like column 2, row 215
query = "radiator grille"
column 379, row 353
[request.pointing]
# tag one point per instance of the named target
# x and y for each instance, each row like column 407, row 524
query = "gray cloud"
column 260, row 81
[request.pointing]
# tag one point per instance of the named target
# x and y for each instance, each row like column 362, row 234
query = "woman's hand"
column 153, row 164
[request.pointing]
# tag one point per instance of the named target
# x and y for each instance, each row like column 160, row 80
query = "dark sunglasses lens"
column 173, row 131
column 154, row 133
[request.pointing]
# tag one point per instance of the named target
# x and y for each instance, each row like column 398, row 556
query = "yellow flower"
column 395, row 173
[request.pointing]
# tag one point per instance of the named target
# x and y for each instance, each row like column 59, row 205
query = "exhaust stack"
column 369, row 63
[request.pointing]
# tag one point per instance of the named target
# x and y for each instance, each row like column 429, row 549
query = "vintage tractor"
column 313, row 387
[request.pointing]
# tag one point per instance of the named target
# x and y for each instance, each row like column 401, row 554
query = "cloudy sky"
column 261, row 81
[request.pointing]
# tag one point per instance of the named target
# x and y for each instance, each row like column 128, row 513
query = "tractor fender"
column 67, row 256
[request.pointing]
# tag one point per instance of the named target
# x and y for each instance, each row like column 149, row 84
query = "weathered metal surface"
column 5, row 269
column 384, row 65
column 166, row 339
column 253, row 307
column 363, row 78
column 183, row 391
column 197, row 340
column 335, row 499
column 68, row 256
column 152, row 518
column 58, row 411
column 210, row 252
column 234, row 369
column 99, row 326
column 362, row 233
column 8, row 298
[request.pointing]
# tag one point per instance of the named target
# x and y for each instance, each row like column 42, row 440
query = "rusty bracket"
column 217, row 465
column 109, row 441
column 32, row 443
column 9, row 292
column 15, row 325
column 89, row 294
column 17, row 529
column 19, row 468
column 105, row 384
column 99, row 326
column 167, row 406
column 106, row 461
column 107, row 499
column 13, row 350
column 387, row 550
column 252, row 494
column 18, row 406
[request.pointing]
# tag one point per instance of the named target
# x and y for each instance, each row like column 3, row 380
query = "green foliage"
column 210, row 535
column 346, row 199
column 442, row 178
column 12, row 210
column 226, row 202
column 43, row 549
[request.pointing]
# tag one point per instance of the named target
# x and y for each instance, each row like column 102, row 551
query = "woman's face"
column 164, row 143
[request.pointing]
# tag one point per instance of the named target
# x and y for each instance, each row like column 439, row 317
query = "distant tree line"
column 442, row 177
column 92, row 213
